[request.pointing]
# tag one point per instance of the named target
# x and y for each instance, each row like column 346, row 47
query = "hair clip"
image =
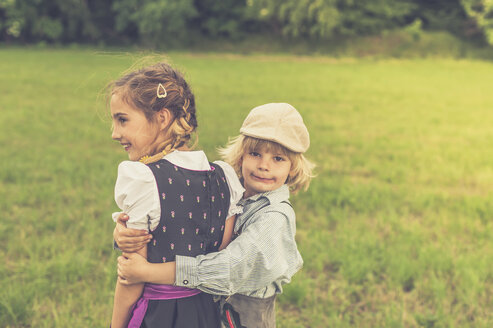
column 160, row 90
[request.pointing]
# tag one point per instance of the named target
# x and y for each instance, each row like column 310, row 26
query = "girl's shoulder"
column 235, row 187
column 134, row 171
column 228, row 169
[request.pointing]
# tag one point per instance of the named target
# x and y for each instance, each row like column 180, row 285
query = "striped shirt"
column 261, row 258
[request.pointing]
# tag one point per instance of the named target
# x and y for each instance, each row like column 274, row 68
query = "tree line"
column 172, row 21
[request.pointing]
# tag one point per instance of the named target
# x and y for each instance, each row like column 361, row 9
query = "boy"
column 250, row 271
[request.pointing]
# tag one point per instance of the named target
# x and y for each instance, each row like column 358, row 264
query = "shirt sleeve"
column 236, row 190
column 264, row 253
column 136, row 194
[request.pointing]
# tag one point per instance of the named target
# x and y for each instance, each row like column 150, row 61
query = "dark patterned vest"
column 194, row 206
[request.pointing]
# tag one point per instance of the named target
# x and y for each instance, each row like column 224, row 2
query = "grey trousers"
column 252, row 312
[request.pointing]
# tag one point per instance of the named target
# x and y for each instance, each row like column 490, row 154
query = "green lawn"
column 396, row 230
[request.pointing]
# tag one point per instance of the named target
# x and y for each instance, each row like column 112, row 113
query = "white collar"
column 192, row 160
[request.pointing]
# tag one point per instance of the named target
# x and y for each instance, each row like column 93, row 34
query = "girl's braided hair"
column 140, row 90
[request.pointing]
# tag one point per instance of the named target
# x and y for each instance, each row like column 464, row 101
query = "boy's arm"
column 129, row 240
column 136, row 269
column 263, row 254
column 125, row 297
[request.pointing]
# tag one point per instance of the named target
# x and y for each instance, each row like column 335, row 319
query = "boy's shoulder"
column 269, row 213
column 281, row 213
column 275, row 200
column 283, row 207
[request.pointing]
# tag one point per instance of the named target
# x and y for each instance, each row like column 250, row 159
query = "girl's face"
column 264, row 170
column 132, row 129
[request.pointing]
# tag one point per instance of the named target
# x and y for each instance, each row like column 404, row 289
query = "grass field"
column 396, row 230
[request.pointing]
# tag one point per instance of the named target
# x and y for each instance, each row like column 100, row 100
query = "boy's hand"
column 129, row 240
column 131, row 268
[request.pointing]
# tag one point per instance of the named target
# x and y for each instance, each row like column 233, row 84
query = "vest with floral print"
column 194, row 208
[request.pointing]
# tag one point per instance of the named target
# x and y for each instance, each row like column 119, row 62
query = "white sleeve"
column 236, row 190
column 136, row 194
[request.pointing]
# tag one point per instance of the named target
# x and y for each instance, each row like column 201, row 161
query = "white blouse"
column 136, row 191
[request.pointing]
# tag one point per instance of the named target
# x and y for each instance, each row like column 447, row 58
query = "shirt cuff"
column 235, row 209
column 115, row 216
column 186, row 272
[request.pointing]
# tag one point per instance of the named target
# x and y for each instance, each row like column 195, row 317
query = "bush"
column 165, row 22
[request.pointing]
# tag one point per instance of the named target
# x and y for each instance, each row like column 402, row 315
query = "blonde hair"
column 139, row 89
column 301, row 168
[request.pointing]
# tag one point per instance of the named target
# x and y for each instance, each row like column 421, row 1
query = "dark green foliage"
column 371, row 17
column 154, row 21
column 51, row 20
column 441, row 15
column 480, row 13
column 221, row 18
column 294, row 18
column 166, row 22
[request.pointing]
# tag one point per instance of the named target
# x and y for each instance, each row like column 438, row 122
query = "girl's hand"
column 129, row 240
column 131, row 268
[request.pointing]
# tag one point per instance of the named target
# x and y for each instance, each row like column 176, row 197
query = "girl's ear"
column 164, row 118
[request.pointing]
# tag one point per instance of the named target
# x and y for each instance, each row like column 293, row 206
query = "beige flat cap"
column 278, row 122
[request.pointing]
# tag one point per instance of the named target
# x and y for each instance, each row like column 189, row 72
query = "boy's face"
column 264, row 170
column 132, row 129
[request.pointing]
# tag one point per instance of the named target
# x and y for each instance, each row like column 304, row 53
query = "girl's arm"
column 136, row 194
column 125, row 297
column 228, row 232
column 264, row 253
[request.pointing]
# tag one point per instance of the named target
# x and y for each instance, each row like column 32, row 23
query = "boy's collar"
column 274, row 196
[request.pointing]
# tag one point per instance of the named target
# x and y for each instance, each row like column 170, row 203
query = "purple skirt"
column 166, row 306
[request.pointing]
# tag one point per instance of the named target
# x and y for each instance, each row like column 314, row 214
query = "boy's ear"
column 164, row 118
column 240, row 164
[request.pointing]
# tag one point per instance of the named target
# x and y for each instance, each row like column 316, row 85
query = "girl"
column 166, row 189
column 250, row 272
